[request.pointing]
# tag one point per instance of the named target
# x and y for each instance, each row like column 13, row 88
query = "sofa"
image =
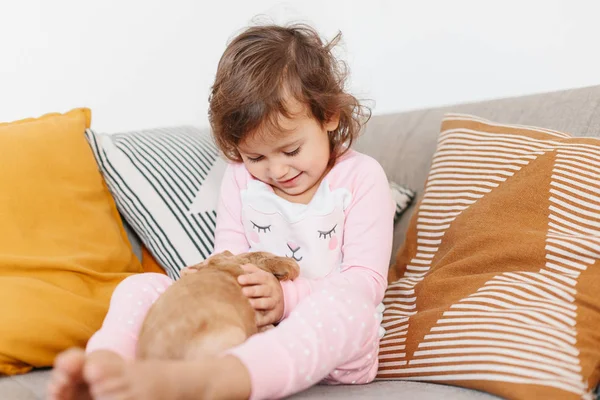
column 404, row 144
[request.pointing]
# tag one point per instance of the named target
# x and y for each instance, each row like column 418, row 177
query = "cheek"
column 333, row 243
column 255, row 169
column 253, row 236
column 314, row 162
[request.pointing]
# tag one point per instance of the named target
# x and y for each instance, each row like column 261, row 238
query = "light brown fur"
column 205, row 312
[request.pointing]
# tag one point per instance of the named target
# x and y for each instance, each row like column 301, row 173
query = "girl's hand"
column 264, row 292
column 187, row 270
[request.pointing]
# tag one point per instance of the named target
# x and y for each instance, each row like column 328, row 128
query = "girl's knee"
column 146, row 284
column 346, row 300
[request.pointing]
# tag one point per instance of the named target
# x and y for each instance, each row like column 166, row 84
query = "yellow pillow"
column 63, row 248
column 149, row 263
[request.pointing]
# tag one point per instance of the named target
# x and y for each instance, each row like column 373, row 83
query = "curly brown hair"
column 265, row 65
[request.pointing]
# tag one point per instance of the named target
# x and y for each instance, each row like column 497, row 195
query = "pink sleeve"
column 229, row 233
column 367, row 243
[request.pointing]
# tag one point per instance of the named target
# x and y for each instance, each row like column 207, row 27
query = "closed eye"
column 254, row 159
column 327, row 234
column 261, row 228
column 292, row 153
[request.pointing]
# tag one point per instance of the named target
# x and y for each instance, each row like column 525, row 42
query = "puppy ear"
column 226, row 253
column 283, row 268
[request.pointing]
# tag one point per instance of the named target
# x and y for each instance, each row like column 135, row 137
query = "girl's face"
column 293, row 161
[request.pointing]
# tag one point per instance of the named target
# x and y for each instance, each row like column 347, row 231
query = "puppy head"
column 217, row 260
column 283, row 268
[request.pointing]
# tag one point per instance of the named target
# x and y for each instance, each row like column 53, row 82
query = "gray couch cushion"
column 25, row 387
column 404, row 143
column 32, row 386
column 12, row 389
column 392, row 390
column 134, row 239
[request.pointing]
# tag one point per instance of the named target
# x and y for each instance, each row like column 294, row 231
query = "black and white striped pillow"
column 403, row 196
column 166, row 183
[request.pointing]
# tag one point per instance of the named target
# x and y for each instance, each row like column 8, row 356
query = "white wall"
column 147, row 63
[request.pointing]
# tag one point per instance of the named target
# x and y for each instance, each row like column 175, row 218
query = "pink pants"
column 331, row 337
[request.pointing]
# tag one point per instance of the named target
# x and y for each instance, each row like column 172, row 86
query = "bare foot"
column 110, row 378
column 67, row 381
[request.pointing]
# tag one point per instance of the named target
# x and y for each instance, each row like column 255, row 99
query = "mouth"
column 289, row 182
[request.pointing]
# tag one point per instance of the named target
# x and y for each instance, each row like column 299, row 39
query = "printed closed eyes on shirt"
column 327, row 234
column 261, row 228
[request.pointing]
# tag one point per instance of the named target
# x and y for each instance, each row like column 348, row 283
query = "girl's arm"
column 229, row 233
column 367, row 242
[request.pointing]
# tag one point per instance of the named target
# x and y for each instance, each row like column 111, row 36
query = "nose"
column 278, row 170
column 293, row 246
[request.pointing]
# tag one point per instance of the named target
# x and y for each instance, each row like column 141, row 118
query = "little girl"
column 279, row 112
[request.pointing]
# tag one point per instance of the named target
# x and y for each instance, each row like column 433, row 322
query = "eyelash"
column 289, row 154
column 257, row 159
column 293, row 153
column 328, row 233
column 261, row 228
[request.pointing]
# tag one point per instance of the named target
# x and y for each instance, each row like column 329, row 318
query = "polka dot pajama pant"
column 331, row 337
column 129, row 305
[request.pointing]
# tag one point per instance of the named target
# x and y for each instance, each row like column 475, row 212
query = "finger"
column 263, row 303
column 253, row 278
column 257, row 291
column 250, row 268
column 262, row 319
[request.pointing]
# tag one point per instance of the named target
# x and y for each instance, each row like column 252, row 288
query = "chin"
column 294, row 191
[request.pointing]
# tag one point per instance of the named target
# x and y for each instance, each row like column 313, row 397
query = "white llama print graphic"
column 312, row 234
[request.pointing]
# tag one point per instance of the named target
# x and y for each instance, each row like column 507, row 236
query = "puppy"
column 205, row 312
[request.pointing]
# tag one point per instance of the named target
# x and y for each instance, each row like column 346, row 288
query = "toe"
column 70, row 363
column 103, row 371
column 66, row 374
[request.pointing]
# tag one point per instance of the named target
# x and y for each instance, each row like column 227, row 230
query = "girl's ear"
column 333, row 122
